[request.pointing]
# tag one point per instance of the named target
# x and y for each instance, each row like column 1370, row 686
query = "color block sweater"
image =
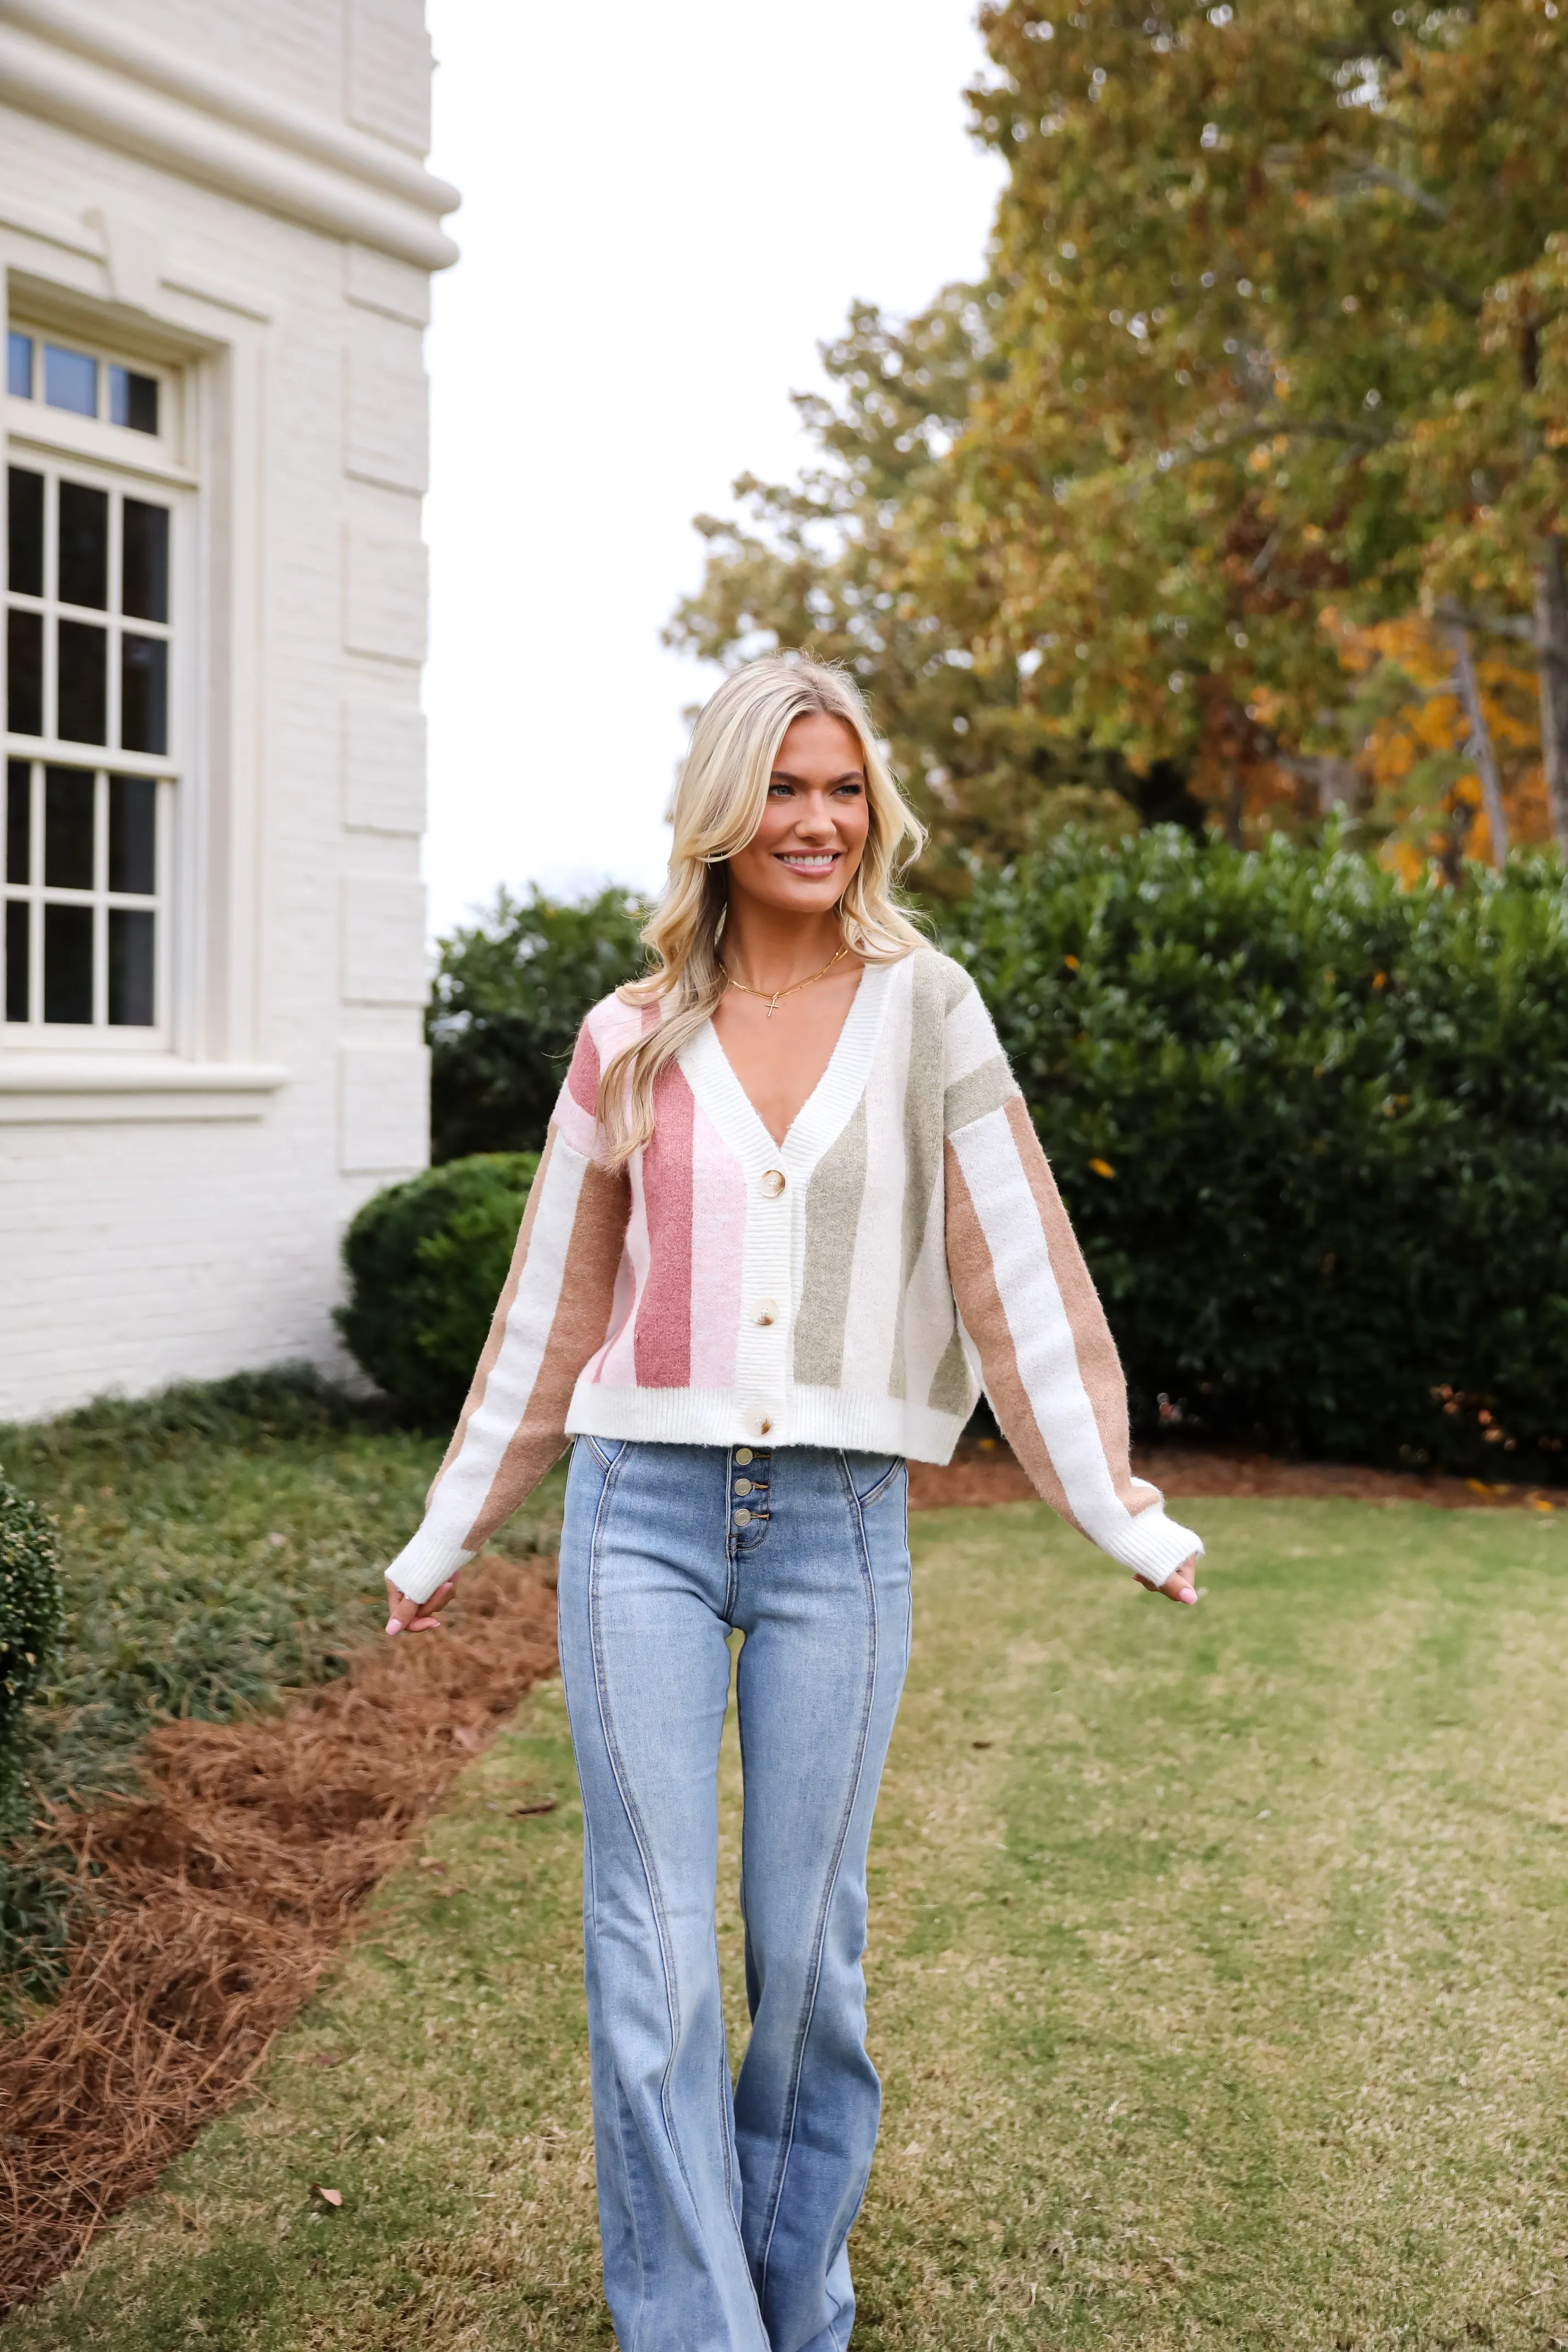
column 854, row 1285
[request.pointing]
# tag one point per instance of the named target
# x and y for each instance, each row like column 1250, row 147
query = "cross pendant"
column 769, row 1014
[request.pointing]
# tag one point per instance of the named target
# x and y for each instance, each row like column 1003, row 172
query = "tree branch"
column 1378, row 175
column 1489, row 625
column 1479, row 747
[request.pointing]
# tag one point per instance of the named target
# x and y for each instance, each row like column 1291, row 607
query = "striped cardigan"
column 854, row 1285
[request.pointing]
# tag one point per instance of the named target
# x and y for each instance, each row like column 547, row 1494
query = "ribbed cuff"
column 1154, row 1546
column 425, row 1563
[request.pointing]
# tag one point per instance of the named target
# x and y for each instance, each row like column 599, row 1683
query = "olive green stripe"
column 950, row 1380
column 833, row 1219
column 983, row 1090
column 936, row 987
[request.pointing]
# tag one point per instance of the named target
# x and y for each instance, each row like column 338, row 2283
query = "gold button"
column 743, row 1452
column 764, row 1311
column 743, row 1486
column 773, row 1183
column 743, row 1518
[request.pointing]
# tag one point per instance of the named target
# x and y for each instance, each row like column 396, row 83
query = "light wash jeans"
column 724, row 2217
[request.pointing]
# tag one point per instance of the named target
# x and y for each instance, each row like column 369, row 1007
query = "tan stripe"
column 579, row 1327
column 498, row 1331
column 1098, row 1365
column 974, row 1283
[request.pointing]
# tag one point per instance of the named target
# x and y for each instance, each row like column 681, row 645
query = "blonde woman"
column 791, row 1215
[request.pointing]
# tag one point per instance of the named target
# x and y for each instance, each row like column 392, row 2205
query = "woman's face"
column 814, row 821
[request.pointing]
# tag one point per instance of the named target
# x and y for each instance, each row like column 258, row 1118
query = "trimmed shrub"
column 32, row 1617
column 1312, row 1129
column 511, row 992
column 426, row 1261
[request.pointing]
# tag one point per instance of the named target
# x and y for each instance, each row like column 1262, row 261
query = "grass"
column 1219, row 1980
column 220, row 1547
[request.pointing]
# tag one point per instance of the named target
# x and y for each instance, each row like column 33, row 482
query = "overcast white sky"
column 665, row 210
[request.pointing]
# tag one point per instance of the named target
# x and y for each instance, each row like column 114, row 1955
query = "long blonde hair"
column 717, row 807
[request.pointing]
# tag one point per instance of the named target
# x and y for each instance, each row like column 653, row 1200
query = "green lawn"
column 1218, row 1983
column 219, row 1547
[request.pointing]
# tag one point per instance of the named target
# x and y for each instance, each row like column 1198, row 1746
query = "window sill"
column 88, row 1090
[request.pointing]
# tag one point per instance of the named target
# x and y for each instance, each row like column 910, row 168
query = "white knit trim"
column 426, row 1563
column 796, row 1416
column 1154, row 1546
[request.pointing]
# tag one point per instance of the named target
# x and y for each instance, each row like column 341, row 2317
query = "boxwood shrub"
column 1312, row 1129
column 32, row 1613
column 426, row 1262
column 509, row 992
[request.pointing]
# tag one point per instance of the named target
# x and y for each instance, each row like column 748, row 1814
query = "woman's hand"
column 418, row 1616
column 1177, row 1586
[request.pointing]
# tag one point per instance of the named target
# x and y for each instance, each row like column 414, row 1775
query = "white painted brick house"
column 218, row 235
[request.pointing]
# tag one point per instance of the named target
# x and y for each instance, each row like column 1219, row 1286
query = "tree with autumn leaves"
column 1247, row 468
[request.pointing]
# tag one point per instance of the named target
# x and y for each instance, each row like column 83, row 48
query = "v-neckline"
column 711, row 1077
column 777, row 1142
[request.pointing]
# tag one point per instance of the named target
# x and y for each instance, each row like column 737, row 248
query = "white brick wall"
column 389, row 71
column 151, row 1234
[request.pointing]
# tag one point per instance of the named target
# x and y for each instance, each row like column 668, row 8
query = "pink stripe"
column 718, row 1239
column 599, row 1365
column 664, row 1337
column 616, row 1366
column 582, row 1078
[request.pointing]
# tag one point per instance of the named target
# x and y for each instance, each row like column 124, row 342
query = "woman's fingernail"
column 392, row 1625
column 1190, row 1599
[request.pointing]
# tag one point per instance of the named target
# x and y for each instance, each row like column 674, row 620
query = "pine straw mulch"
column 212, row 1904
column 988, row 1472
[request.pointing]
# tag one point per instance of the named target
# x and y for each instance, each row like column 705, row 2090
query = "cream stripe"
column 970, row 1039
column 460, row 1497
column 1042, row 1335
column 929, row 1318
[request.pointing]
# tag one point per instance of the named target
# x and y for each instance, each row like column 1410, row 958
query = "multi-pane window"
column 82, row 894
column 80, row 382
column 89, row 781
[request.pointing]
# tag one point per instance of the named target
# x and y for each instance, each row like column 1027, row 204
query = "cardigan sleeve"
column 1027, row 1301
column 552, row 1315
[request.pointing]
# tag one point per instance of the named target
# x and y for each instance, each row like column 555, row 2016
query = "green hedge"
column 1312, row 1129
column 32, row 1612
column 426, row 1262
column 509, row 993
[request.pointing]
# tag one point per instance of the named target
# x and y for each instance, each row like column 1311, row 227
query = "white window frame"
column 62, row 442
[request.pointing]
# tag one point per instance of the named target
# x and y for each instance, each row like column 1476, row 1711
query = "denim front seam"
column 843, row 1829
column 724, row 2221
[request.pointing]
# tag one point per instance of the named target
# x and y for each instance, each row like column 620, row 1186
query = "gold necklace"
column 776, row 993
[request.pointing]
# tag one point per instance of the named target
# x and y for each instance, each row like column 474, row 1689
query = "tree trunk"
column 1551, row 666
column 1480, row 746
column 1330, row 785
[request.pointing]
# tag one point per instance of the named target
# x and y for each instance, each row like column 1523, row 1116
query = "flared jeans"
column 725, row 2213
